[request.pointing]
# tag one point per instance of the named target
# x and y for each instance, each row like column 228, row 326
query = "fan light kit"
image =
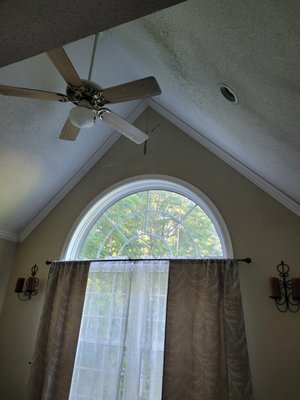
column 82, row 116
column 89, row 98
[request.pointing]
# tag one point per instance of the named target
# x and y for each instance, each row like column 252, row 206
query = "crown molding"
column 262, row 183
column 11, row 237
column 80, row 174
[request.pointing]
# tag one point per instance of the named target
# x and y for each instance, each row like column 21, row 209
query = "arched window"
column 150, row 217
column 121, row 342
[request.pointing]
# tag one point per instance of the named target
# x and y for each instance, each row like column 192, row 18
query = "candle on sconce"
column 19, row 285
column 274, row 285
column 26, row 288
column 296, row 288
column 285, row 291
column 30, row 283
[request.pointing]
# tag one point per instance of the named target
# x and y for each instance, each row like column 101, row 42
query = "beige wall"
column 7, row 252
column 259, row 227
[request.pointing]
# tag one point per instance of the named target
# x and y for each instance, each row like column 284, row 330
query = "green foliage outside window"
column 154, row 223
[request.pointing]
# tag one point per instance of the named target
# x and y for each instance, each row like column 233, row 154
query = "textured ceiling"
column 34, row 163
column 254, row 48
column 190, row 48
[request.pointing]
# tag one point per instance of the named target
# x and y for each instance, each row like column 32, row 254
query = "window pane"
column 121, row 342
column 154, row 223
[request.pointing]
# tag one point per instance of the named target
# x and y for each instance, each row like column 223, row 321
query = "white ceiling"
column 190, row 48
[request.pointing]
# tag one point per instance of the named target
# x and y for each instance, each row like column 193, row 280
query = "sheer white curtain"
column 121, row 341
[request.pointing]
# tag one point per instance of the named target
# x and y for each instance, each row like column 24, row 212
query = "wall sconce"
column 285, row 292
column 30, row 285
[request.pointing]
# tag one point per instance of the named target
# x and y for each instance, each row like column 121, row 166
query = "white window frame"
column 106, row 199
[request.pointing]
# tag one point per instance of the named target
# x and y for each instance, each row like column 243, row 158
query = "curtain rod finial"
column 246, row 260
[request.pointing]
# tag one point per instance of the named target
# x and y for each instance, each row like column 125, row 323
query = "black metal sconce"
column 30, row 285
column 285, row 292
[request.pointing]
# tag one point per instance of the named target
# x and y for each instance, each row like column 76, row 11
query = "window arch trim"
column 124, row 188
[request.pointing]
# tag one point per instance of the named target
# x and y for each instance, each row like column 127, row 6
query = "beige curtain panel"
column 206, row 355
column 58, row 332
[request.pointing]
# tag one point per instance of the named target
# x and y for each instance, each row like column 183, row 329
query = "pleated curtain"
column 57, row 337
column 206, row 354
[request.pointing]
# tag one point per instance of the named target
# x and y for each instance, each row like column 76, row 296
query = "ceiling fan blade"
column 124, row 127
column 141, row 88
column 69, row 131
column 64, row 66
column 31, row 93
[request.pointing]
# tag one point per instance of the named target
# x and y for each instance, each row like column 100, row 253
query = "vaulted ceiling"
column 190, row 48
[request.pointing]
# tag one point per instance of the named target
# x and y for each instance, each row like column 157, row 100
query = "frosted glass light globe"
column 82, row 117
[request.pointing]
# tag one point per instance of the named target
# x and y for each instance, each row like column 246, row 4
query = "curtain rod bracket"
column 246, row 260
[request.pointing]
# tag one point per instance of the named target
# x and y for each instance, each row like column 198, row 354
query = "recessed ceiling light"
column 228, row 93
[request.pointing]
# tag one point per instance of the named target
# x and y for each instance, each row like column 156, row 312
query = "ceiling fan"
column 90, row 99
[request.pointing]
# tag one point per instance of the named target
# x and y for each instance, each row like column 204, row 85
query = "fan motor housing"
column 90, row 91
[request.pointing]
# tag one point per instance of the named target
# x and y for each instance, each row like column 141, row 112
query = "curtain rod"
column 48, row 262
